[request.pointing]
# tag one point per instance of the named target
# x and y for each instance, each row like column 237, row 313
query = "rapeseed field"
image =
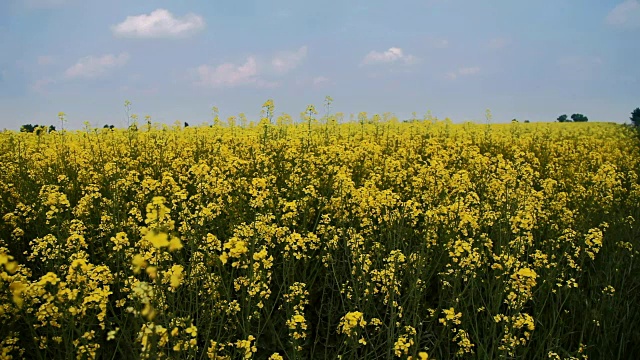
column 375, row 239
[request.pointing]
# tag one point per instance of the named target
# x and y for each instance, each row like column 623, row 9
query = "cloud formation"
column 625, row 14
column 90, row 67
column 392, row 55
column 251, row 72
column 286, row 61
column 229, row 74
column 159, row 24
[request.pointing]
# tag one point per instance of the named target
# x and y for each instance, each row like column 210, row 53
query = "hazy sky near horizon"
column 174, row 60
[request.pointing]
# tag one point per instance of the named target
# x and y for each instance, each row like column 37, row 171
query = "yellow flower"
column 17, row 288
column 350, row 321
column 450, row 315
column 9, row 265
column 421, row 356
column 176, row 275
column 112, row 334
column 175, row 244
column 158, row 239
column 138, row 262
column 192, row 330
column 152, row 271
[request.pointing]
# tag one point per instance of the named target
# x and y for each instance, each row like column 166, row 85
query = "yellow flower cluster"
column 351, row 322
column 368, row 238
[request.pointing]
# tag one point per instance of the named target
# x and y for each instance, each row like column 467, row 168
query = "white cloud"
column 92, row 67
column 625, row 14
column 159, row 24
column 229, row 74
column 286, row 61
column 466, row 71
column 254, row 71
column 394, row 54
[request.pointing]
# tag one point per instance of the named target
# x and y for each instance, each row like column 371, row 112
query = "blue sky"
column 174, row 60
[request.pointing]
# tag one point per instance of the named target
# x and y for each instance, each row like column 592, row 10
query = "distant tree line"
column 574, row 118
column 37, row 128
column 635, row 121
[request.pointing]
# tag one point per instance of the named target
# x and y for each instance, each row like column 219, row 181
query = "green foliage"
column 562, row 118
column 635, row 117
column 38, row 129
column 579, row 118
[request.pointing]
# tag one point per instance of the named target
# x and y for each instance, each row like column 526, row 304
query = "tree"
column 635, row 117
column 27, row 128
column 579, row 118
column 52, row 128
column 562, row 118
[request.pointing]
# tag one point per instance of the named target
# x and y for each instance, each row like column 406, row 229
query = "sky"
column 175, row 60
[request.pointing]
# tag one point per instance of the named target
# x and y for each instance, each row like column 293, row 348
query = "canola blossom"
column 321, row 240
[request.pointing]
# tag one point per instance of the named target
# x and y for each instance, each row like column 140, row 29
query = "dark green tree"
column 579, row 118
column 635, row 117
column 562, row 118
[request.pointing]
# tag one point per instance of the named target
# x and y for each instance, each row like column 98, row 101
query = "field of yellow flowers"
column 321, row 240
